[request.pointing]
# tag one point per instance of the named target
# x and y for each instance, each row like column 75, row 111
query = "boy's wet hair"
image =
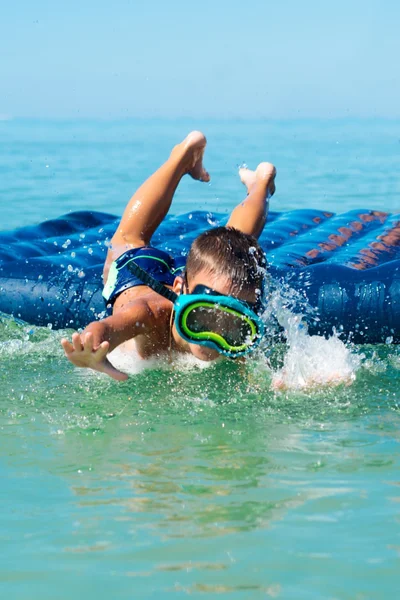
column 229, row 253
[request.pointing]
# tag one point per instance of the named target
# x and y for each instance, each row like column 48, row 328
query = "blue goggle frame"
column 204, row 297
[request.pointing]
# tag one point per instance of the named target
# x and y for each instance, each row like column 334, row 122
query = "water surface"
column 187, row 480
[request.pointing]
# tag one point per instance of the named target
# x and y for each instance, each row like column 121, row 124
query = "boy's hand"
column 81, row 353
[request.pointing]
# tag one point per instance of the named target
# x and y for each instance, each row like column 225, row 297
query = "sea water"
column 277, row 478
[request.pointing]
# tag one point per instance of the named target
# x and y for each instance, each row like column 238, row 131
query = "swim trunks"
column 157, row 263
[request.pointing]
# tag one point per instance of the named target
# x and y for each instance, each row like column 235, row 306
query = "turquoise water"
column 188, row 481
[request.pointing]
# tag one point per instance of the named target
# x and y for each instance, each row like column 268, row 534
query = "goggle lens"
column 235, row 329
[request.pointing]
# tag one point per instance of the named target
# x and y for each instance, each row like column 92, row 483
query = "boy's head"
column 230, row 257
column 231, row 263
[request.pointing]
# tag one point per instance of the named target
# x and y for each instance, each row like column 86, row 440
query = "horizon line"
column 5, row 118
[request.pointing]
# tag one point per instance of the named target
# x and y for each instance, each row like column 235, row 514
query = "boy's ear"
column 178, row 285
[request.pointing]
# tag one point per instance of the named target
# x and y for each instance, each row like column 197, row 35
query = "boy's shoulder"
column 147, row 317
column 142, row 303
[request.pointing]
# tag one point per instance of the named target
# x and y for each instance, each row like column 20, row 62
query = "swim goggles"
column 231, row 326
column 221, row 322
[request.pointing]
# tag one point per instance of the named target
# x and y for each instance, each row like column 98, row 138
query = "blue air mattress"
column 347, row 266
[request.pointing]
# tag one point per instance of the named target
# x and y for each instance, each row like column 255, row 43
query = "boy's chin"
column 204, row 353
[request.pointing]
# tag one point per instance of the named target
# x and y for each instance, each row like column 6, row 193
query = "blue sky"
column 216, row 58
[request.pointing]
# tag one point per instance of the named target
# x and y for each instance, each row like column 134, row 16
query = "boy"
column 226, row 263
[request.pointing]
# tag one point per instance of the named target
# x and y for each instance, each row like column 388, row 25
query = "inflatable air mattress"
column 347, row 266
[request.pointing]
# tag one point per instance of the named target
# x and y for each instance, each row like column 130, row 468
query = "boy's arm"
column 90, row 348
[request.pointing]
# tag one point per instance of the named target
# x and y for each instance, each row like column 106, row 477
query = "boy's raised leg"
column 250, row 215
column 151, row 202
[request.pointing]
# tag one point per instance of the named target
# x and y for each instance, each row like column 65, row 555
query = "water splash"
column 127, row 359
column 304, row 362
column 311, row 360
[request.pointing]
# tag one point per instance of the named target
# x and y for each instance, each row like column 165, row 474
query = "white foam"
column 129, row 361
column 312, row 361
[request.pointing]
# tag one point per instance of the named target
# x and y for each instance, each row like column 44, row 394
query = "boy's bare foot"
column 192, row 148
column 265, row 173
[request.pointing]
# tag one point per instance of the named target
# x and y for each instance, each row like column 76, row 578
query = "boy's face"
column 222, row 285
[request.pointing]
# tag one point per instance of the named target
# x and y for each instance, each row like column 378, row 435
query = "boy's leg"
column 150, row 203
column 250, row 215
